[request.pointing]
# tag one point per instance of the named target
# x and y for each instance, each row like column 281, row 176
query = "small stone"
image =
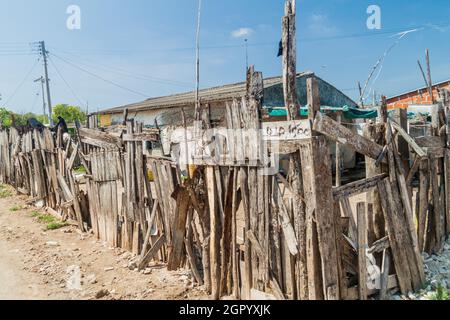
column 109, row 269
column 184, row 278
column 147, row 271
column 52, row 243
column 101, row 294
column 91, row 279
column 132, row 265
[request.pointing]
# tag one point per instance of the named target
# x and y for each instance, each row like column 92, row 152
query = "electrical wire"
column 392, row 31
column 35, row 100
column 125, row 72
column 22, row 82
column 64, row 80
column 100, row 77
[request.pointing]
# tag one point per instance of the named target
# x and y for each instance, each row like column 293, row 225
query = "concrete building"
column 166, row 110
column 417, row 100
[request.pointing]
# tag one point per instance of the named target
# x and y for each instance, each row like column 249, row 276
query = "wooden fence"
column 244, row 232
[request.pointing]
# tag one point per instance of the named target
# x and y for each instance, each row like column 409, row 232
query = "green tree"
column 69, row 113
column 22, row 119
column 5, row 117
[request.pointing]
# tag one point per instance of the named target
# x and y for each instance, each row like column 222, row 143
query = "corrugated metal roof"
column 417, row 90
column 210, row 95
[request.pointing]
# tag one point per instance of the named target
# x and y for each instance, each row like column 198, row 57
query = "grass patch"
column 56, row 225
column 440, row 294
column 46, row 218
column 80, row 170
column 35, row 214
column 5, row 191
column 52, row 223
column 15, row 208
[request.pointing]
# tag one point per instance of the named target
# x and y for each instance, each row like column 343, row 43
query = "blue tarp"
column 348, row 112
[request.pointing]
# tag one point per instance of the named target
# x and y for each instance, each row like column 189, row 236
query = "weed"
column 5, row 191
column 56, row 225
column 15, row 208
column 35, row 214
column 80, row 170
column 441, row 293
column 46, row 218
column 52, row 223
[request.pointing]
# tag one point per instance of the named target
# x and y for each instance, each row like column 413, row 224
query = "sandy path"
column 14, row 282
column 65, row 264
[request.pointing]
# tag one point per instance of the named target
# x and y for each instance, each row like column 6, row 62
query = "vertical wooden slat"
column 362, row 247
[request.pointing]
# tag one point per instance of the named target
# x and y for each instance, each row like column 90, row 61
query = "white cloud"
column 242, row 33
column 320, row 25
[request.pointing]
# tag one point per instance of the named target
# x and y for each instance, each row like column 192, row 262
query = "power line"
column 22, row 82
column 64, row 80
column 125, row 72
column 100, row 77
column 35, row 100
column 392, row 31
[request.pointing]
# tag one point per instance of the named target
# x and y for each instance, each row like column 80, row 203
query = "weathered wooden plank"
column 179, row 230
column 413, row 171
column 423, row 194
column 152, row 252
column 418, row 150
column 139, row 137
column 317, row 185
column 215, row 236
column 227, row 237
column 333, row 130
column 343, row 282
column 247, row 278
column 437, row 208
column 256, row 246
column 288, row 229
column 362, row 245
column 347, row 213
column 396, row 230
column 379, row 245
column 392, row 285
column 409, row 215
column 430, row 142
column 384, row 280
column 447, row 191
column 102, row 137
column 357, row 187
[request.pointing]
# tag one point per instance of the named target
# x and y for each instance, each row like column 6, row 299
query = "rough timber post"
column 318, row 184
column 295, row 175
column 444, row 95
column 376, row 133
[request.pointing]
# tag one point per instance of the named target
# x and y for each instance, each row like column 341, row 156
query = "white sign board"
column 286, row 130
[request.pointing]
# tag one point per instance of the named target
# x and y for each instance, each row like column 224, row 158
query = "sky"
column 126, row 51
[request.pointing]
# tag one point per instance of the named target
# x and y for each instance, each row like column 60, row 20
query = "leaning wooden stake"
column 362, row 245
column 318, row 184
column 215, row 236
column 295, row 175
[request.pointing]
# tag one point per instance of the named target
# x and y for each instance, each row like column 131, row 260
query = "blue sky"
column 148, row 46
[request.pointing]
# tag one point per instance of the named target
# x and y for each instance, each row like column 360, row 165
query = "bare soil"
column 64, row 264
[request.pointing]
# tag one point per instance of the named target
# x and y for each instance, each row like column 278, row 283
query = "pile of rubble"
column 437, row 269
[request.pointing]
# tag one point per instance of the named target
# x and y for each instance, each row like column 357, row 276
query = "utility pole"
column 246, row 55
column 44, row 54
column 430, row 82
column 42, row 81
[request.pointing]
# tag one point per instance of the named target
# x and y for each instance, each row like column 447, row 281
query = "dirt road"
column 65, row 264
